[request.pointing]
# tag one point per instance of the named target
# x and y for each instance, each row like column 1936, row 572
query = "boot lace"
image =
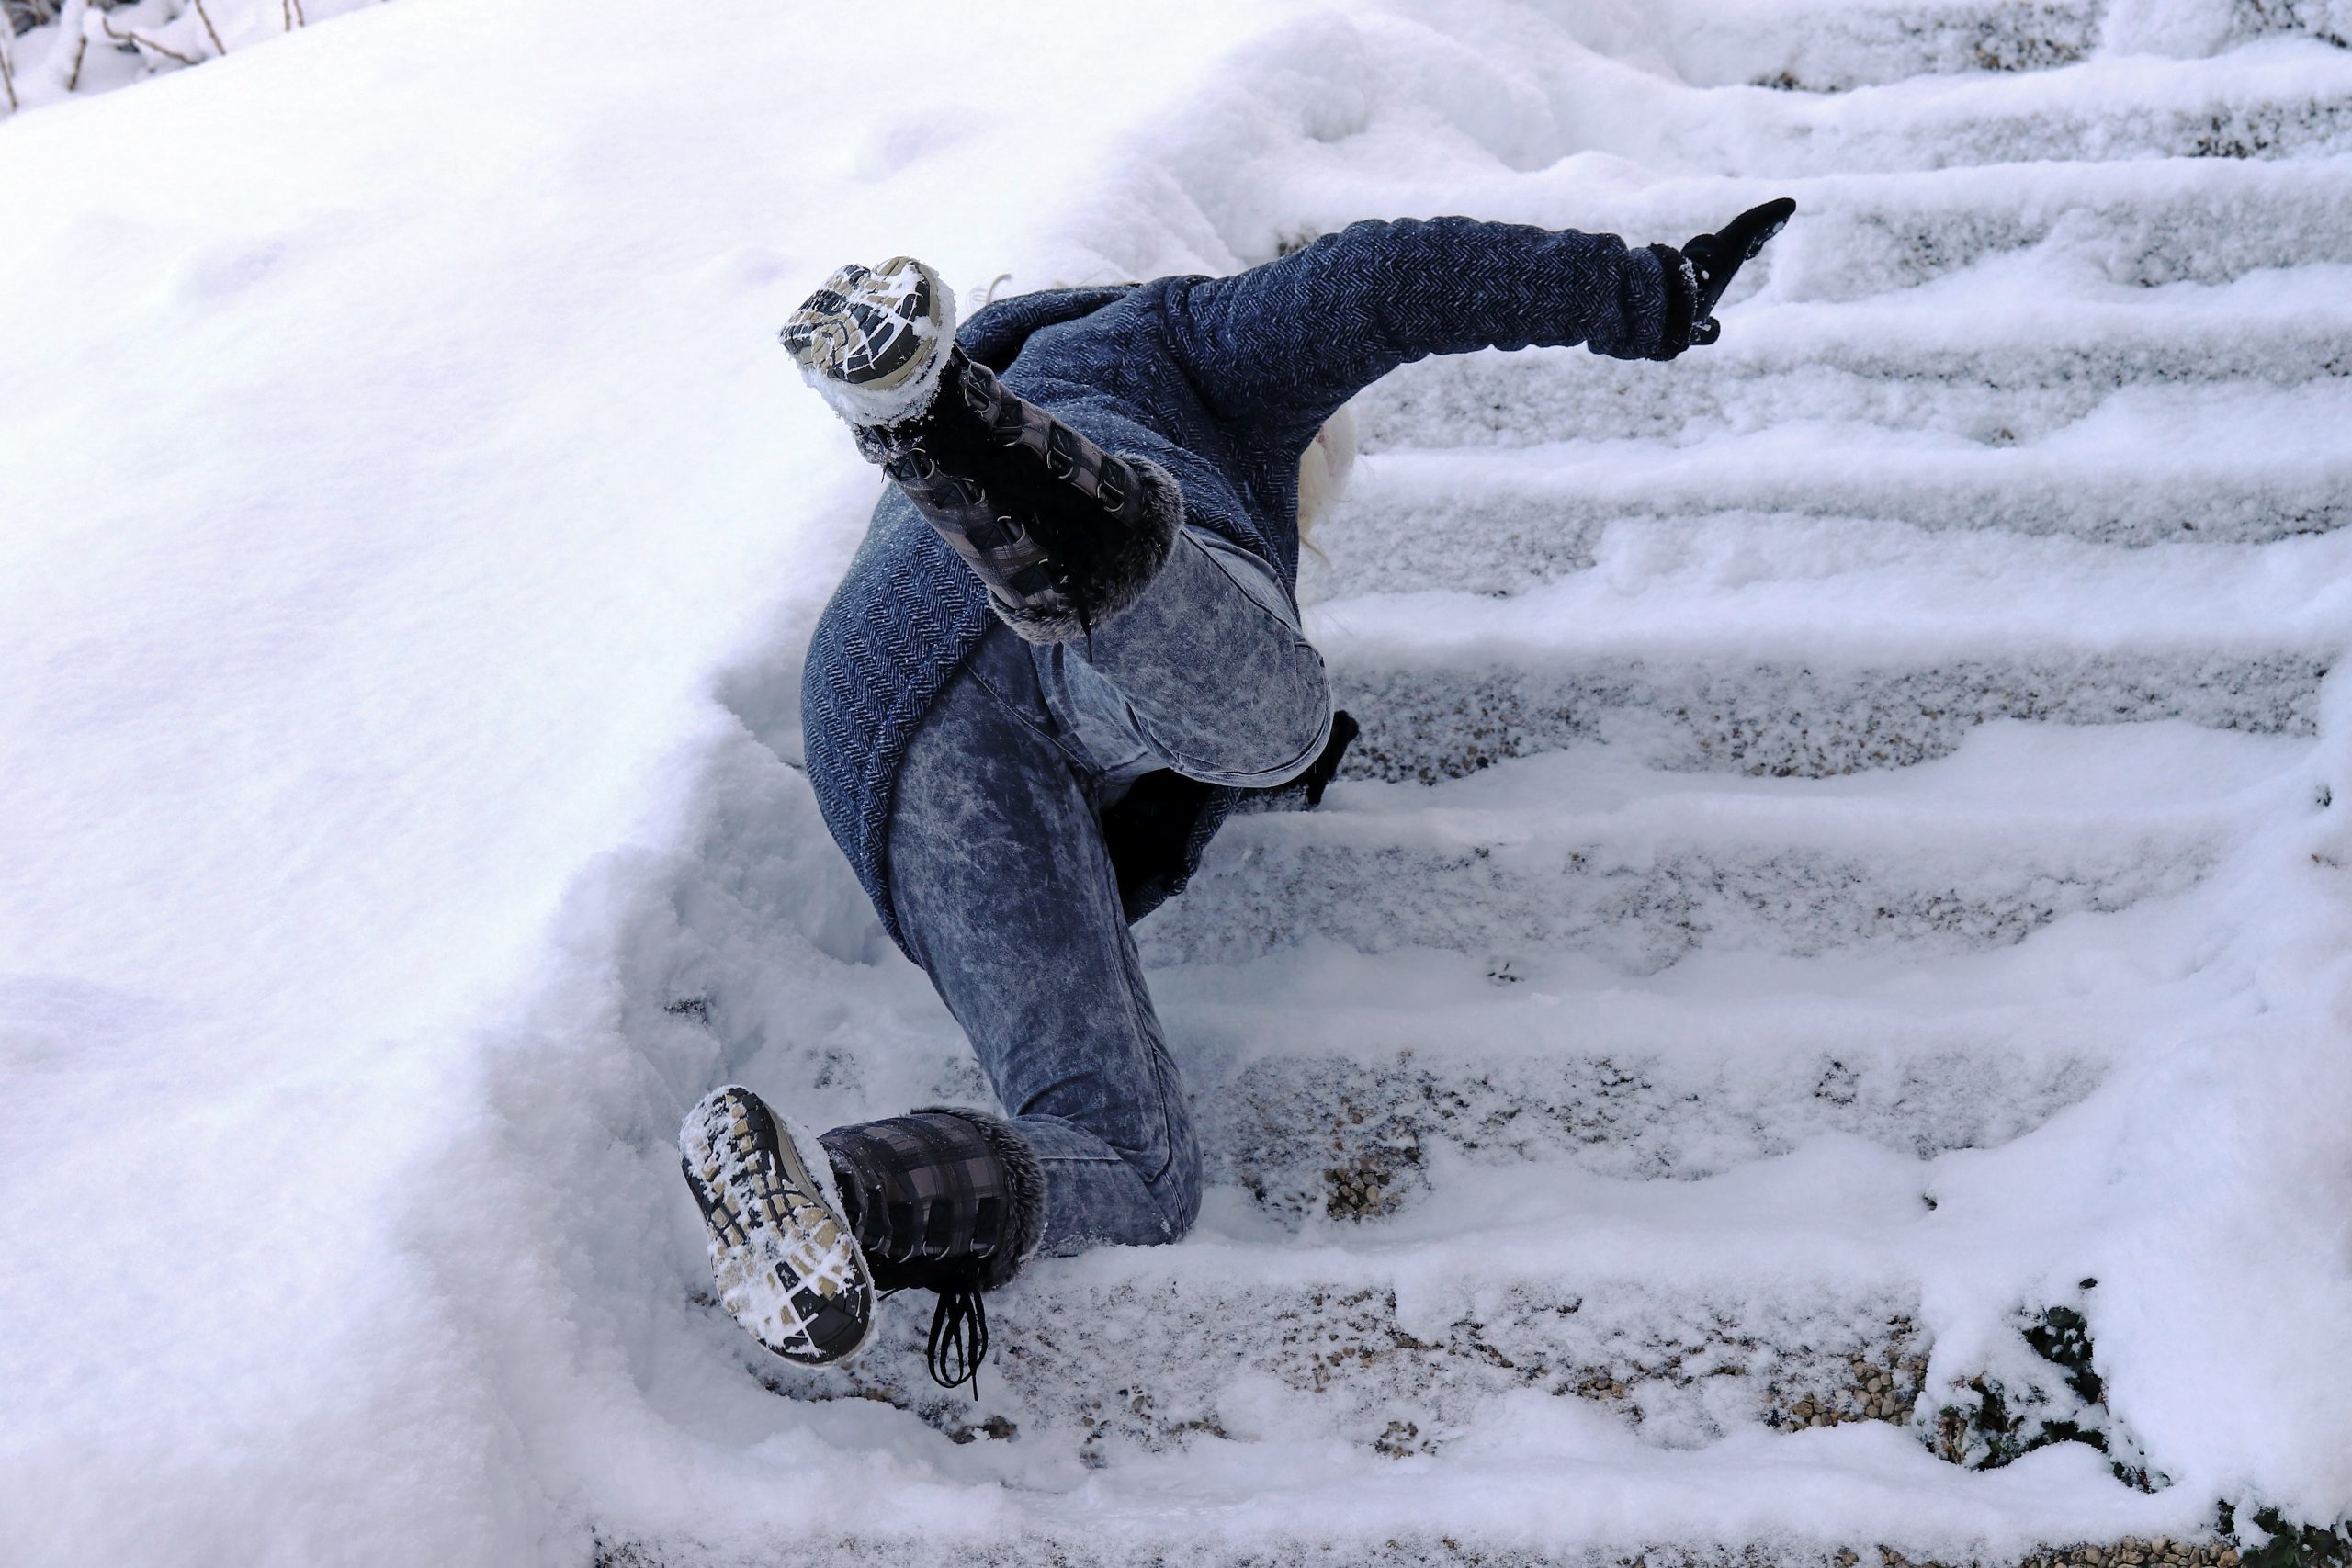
column 958, row 1341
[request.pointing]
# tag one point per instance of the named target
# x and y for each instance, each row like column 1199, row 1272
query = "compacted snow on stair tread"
column 1320, row 1069
column 1639, row 869
column 1685, row 1309
column 1868, row 649
column 1544, row 517
column 1806, row 46
column 2262, row 105
column 2006, row 383
column 1797, row 788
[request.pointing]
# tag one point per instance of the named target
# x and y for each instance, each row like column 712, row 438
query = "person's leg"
column 1205, row 673
column 1081, row 551
column 1008, row 900
column 1006, row 895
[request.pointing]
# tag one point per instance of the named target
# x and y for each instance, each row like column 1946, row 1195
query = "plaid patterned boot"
column 1063, row 534
column 945, row 1199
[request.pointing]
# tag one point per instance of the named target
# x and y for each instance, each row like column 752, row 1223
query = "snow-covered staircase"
column 1781, row 770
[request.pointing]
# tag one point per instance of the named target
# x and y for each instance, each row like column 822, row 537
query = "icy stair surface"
column 1555, row 852
column 1793, row 782
column 1687, row 1310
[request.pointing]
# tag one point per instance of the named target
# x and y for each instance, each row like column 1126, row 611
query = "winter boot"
column 1063, row 534
column 784, row 1257
column 946, row 1200
column 806, row 1232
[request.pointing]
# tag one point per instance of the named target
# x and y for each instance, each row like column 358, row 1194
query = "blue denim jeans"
column 1006, row 892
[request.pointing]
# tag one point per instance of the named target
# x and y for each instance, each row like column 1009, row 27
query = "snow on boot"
column 945, row 1199
column 782, row 1253
column 872, row 340
column 1063, row 534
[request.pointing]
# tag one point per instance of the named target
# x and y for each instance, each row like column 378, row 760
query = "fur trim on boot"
column 1102, row 569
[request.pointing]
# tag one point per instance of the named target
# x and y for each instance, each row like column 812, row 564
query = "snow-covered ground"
column 1908, row 883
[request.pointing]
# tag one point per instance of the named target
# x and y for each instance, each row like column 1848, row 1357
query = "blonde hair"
column 1323, row 470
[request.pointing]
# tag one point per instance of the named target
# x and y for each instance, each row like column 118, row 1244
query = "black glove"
column 1697, row 275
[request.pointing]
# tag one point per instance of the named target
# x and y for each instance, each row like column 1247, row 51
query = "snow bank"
column 397, row 450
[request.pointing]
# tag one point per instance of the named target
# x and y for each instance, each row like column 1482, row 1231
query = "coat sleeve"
column 1287, row 342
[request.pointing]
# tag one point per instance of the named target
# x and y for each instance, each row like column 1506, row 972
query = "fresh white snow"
column 1918, row 776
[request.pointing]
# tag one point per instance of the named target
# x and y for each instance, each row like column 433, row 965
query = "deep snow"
column 408, row 533
column 398, row 455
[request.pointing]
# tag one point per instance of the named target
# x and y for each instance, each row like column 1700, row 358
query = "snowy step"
column 1812, row 48
column 2137, row 224
column 1802, row 45
column 1425, row 722
column 2078, row 125
column 2011, row 380
column 1322, row 1071
column 1684, row 1311
column 1785, row 646
column 1578, row 851
column 1497, row 521
column 2263, row 104
column 1506, row 1510
column 1332, row 1084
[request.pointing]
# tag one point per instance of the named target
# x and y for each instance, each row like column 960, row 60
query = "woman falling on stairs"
column 1068, row 646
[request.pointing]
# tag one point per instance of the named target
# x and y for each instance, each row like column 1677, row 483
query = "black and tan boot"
column 945, row 1199
column 1063, row 534
column 805, row 1233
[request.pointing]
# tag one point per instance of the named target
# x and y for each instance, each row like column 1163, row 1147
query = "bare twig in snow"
column 8, row 57
column 218, row 46
column 293, row 12
column 130, row 37
column 72, row 21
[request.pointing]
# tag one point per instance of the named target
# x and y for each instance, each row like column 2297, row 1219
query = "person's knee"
column 1299, row 720
column 1270, row 731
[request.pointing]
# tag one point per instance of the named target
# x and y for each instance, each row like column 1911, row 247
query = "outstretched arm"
column 1290, row 340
